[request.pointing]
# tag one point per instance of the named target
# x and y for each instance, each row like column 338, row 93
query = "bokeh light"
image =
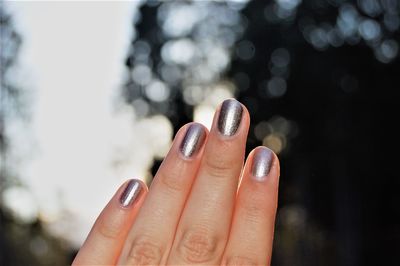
column 88, row 103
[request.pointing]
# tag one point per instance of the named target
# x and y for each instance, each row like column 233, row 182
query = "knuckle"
column 109, row 228
column 253, row 213
column 172, row 179
column 144, row 252
column 240, row 261
column 254, row 209
column 198, row 246
column 218, row 166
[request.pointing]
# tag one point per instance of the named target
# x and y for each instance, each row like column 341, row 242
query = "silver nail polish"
column 131, row 193
column 193, row 140
column 262, row 162
column 230, row 117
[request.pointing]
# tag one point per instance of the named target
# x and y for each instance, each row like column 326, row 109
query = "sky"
column 84, row 144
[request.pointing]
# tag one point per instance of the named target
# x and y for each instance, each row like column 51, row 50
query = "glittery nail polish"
column 230, row 117
column 193, row 140
column 131, row 193
column 262, row 162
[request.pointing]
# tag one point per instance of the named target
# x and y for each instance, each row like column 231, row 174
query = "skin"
column 206, row 209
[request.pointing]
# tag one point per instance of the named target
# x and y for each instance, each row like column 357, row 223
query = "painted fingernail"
column 262, row 162
column 193, row 140
column 131, row 193
column 230, row 117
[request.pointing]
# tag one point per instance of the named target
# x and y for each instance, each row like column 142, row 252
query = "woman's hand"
column 203, row 206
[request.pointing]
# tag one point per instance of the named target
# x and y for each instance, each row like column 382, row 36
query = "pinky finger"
column 252, row 231
column 106, row 239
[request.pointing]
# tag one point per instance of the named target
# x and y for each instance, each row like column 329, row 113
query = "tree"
column 320, row 79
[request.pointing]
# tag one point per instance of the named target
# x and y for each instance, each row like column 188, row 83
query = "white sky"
column 74, row 53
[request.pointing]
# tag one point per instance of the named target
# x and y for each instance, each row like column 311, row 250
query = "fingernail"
column 193, row 140
column 262, row 162
column 131, row 193
column 230, row 117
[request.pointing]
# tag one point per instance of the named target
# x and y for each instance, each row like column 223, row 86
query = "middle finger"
column 205, row 222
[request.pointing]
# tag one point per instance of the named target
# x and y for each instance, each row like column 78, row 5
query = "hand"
column 203, row 206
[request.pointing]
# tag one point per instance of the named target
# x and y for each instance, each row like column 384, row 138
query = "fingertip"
column 189, row 141
column 263, row 164
column 131, row 192
column 246, row 114
column 231, row 120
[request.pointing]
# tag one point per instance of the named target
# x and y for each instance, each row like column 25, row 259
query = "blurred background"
column 92, row 93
